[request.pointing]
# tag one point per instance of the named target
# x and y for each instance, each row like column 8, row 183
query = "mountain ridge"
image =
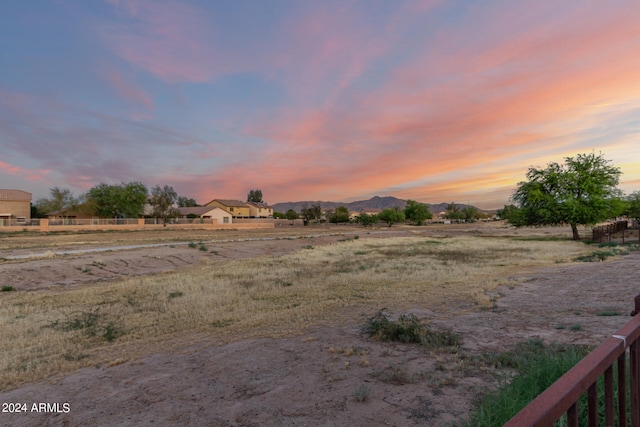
column 376, row 202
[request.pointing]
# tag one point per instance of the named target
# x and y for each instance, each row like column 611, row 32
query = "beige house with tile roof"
column 15, row 205
column 260, row 210
column 207, row 212
column 236, row 208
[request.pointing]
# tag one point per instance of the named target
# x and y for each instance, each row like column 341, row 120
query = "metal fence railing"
column 608, row 359
column 605, row 233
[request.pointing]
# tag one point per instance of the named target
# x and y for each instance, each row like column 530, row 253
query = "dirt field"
column 313, row 379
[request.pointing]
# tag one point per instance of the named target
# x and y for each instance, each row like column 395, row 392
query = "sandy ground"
column 311, row 380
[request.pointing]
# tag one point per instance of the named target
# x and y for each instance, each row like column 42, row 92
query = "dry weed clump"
column 43, row 332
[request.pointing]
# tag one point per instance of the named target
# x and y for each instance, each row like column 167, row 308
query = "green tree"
column 126, row 200
column 582, row 191
column 279, row 215
column 391, row 216
column 633, row 206
column 310, row 213
column 454, row 212
column 255, row 196
column 291, row 214
column 341, row 214
column 508, row 212
column 470, row 214
column 185, row 202
column 367, row 220
column 62, row 200
column 417, row 212
column 162, row 200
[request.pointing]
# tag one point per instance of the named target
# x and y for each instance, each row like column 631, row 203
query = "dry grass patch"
column 59, row 330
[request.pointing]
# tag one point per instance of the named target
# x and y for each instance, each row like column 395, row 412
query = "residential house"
column 15, row 205
column 369, row 211
column 207, row 212
column 260, row 210
column 236, row 208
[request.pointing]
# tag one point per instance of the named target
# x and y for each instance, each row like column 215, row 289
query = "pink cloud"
column 524, row 98
column 128, row 90
column 171, row 40
column 34, row 175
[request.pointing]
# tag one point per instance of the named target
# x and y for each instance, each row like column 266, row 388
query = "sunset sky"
column 436, row 101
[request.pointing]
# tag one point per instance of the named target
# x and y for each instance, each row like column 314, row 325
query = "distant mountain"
column 375, row 202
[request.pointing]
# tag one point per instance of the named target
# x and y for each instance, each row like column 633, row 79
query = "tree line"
column 124, row 200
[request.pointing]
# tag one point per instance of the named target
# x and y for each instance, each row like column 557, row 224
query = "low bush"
column 406, row 329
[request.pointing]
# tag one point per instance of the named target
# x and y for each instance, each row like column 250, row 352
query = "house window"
column 231, row 209
column 225, row 220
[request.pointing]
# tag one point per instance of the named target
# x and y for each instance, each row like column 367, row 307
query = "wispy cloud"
column 334, row 100
column 168, row 39
column 127, row 89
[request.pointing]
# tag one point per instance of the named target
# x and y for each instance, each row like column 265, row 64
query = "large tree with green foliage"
column 255, row 196
column 391, row 216
column 186, row 202
column 162, row 200
column 582, row 191
column 341, row 214
column 125, row 200
column 367, row 220
column 416, row 212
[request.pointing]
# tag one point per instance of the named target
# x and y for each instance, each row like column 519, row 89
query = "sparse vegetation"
column 7, row 288
column 601, row 255
column 176, row 294
column 362, row 392
column 536, row 367
column 607, row 313
column 264, row 296
column 406, row 329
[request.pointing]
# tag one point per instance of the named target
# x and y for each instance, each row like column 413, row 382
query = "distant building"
column 15, row 205
column 236, row 208
column 260, row 210
column 206, row 212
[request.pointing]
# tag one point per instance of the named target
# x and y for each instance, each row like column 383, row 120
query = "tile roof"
column 228, row 202
column 15, row 195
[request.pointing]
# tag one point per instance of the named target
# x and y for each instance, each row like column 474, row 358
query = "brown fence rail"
column 562, row 396
column 604, row 233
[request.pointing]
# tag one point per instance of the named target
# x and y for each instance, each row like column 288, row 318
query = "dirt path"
column 35, row 270
column 311, row 380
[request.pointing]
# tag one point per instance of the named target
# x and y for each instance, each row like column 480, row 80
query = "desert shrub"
column 7, row 288
column 91, row 323
column 406, row 329
column 111, row 331
column 362, row 392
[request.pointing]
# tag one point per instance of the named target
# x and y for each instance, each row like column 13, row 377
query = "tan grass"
column 43, row 333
